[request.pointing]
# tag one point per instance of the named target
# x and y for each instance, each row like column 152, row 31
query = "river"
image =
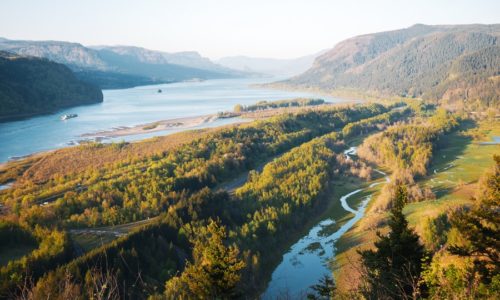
column 139, row 105
column 309, row 258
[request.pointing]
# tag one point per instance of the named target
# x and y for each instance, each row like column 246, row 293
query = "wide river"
column 135, row 106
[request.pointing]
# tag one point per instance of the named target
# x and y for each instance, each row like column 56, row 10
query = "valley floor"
column 459, row 161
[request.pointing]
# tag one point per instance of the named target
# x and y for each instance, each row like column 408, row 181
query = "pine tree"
column 324, row 289
column 480, row 227
column 393, row 268
column 215, row 272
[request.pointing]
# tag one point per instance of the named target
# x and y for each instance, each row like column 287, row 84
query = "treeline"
column 127, row 192
column 273, row 204
column 471, row 237
column 399, row 267
column 456, row 69
column 406, row 149
column 174, row 185
column 30, row 86
column 277, row 104
column 52, row 248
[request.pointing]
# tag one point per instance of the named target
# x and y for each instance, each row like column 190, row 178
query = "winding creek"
column 308, row 259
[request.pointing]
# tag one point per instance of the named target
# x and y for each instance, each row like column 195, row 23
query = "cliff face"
column 30, row 86
column 122, row 66
column 451, row 63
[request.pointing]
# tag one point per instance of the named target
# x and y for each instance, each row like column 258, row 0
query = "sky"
column 218, row 28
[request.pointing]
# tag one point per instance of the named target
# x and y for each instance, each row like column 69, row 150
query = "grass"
column 71, row 160
column 460, row 160
column 88, row 239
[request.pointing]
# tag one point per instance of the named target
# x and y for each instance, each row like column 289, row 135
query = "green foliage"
column 324, row 289
column 407, row 150
column 215, row 271
column 436, row 232
column 175, row 187
column 128, row 192
column 53, row 249
column 262, row 105
column 479, row 227
column 31, row 86
column 376, row 122
column 455, row 64
column 392, row 270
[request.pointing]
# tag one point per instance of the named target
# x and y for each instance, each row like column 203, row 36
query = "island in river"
column 139, row 106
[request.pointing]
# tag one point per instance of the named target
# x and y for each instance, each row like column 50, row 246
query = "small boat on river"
column 68, row 116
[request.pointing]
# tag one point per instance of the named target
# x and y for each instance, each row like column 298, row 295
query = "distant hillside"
column 30, row 86
column 122, row 66
column 454, row 64
column 189, row 59
column 269, row 66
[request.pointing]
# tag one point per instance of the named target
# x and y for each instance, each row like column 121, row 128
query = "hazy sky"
column 216, row 28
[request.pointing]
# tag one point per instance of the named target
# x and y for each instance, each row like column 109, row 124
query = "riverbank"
column 197, row 121
column 130, row 107
column 459, row 161
column 161, row 125
column 308, row 257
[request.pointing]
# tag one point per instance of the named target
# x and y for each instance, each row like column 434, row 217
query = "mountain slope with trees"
column 30, row 86
column 458, row 65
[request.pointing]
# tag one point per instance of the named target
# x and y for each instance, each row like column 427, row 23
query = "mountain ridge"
column 447, row 63
column 122, row 66
column 31, row 86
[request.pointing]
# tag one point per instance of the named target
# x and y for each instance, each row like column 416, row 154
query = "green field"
column 460, row 160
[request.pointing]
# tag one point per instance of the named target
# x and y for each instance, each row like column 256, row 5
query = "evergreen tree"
column 480, row 228
column 392, row 269
column 324, row 289
column 215, row 272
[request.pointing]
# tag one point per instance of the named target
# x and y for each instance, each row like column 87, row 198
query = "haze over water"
column 129, row 107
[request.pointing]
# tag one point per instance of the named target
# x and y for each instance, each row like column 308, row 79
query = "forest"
column 456, row 66
column 30, row 86
column 261, row 105
column 165, row 226
column 174, row 186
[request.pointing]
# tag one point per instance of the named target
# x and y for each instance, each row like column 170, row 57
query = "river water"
column 135, row 106
column 308, row 259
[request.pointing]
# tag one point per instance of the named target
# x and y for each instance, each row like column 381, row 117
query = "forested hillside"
column 209, row 214
column 30, row 86
column 174, row 193
column 456, row 65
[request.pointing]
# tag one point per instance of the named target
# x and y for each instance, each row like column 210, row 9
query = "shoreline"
column 176, row 124
column 161, row 125
column 190, row 122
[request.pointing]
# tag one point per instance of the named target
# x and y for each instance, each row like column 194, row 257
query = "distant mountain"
column 269, row 66
column 30, row 86
column 71, row 54
column 122, row 66
column 448, row 63
column 189, row 59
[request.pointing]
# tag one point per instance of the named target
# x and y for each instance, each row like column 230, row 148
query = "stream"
column 308, row 259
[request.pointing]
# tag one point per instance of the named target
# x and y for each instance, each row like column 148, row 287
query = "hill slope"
column 30, row 86
column 450, row 63
column 121, row 66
